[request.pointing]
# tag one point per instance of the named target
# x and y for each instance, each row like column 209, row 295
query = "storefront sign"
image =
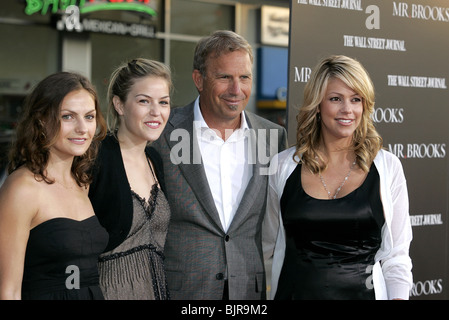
column 70, row 21
column 275, row 25
column 88, row 6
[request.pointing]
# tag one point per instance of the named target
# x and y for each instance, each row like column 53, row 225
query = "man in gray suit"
column 216, row 158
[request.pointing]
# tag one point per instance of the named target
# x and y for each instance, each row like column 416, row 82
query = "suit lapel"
column 191, row 166
column 257, row 180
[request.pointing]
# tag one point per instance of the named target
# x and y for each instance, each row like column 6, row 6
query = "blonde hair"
column 125, row 76
column 366, row 140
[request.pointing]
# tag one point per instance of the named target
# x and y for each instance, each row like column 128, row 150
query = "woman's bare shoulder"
column 21, row 180
column 20, row 192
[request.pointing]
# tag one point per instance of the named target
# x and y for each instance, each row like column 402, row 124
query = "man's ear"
column 198, row 80
column 118, row 105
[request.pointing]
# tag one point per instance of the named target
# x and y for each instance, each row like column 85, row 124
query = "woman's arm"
column 397, row 265
column 17, row 209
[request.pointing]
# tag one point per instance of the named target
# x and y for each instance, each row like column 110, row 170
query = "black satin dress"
column 330, row 244
column 62, row 253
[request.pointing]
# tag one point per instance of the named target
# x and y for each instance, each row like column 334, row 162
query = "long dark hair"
column 40, row 125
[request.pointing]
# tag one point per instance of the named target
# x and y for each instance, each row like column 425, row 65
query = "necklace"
column 341, row 185
column 64, row 186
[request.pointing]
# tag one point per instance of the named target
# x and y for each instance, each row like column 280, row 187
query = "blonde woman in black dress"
column 337, row 223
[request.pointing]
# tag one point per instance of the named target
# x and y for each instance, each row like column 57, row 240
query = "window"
column 200, row 18
column 109, row 51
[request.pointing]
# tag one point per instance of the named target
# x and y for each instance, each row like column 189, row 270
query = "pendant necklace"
column 341, row 185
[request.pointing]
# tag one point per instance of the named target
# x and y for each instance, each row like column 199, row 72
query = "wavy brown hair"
column 40, row 125
column 366, row 141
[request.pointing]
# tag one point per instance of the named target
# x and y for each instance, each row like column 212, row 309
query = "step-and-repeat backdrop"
column 404, row 45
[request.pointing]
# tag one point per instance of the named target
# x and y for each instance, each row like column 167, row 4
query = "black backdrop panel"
column 404, row 45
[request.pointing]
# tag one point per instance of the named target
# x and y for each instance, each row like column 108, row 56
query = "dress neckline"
column 350, row 194
column 55, row 219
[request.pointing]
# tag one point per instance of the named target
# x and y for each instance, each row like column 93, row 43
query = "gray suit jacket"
column 199, row 255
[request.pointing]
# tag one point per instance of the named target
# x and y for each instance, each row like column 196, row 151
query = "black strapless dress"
column 61, row 260
column 330, row 244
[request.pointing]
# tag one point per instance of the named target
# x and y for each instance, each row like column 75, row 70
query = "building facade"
column 39, row 37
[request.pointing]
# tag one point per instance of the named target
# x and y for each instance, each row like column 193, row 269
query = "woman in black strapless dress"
column 61, row 260
column 337, row 223
column 50, row 238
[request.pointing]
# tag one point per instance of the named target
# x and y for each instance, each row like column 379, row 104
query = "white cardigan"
column 392, row 276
